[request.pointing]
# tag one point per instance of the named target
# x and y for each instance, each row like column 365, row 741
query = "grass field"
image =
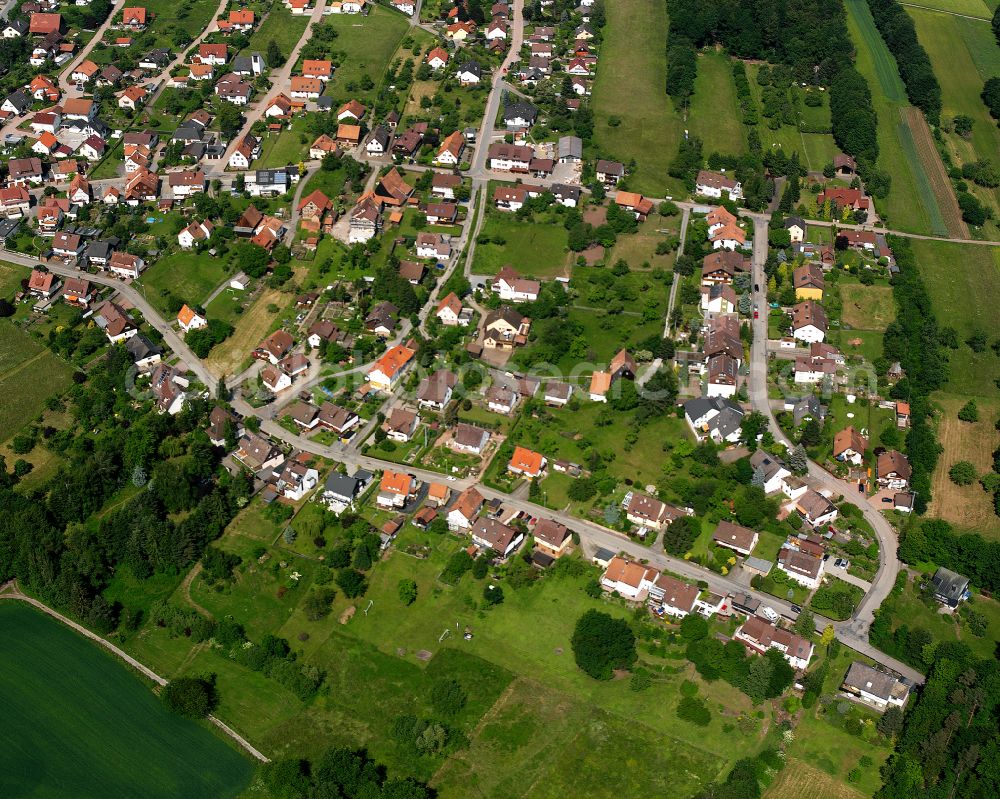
column 715, row 115
column 188, row 275
column 535, row 249
column 284, row 147
column 633, row 55
column 367, row 45
column 911, row 609
column 898, row 152
column 968, row 507
column 947, row 44
column 78, row 723
column 22, row 360
column 972, row 8
column 251, row 327
column 281, row 26
column 168, row 15
column 815, row 149
column 639, row 248
column 964, row 284
column 798, row 780
column 867, row 307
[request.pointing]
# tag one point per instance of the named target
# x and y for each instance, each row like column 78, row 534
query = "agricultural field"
column 964, row 284
column 905, row 148
column 280, row 26
column 967, row 507
column 714, row 115
column 647, row 128
column 366, row 46
column 22, row 359
column 77, row 717
column 949, row 42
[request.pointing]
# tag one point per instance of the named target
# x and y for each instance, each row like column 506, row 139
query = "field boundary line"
column 949, row 13
column 10, row 590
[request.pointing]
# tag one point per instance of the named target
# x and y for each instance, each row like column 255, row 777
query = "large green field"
column 715, row 115
column 281, row 26
column 78, row 723
column 973, row 8
column 187, row 275
column 964, row 284
column 950, row 42
column 911, row 204
column 535, row 249
column 365, row 46
column 22, row 361
column 634, row 65
column 170, row 15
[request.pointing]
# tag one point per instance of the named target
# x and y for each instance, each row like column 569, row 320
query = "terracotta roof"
column 849, row 439
column 527, row 461
column 393, row 360
column 396, row 483
column 468, row 503
column 628, row 572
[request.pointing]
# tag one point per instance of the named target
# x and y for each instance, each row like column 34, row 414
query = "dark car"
column 756, row 286
column 796, row 609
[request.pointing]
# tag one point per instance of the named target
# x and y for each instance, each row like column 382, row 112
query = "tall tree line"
column 915, row 69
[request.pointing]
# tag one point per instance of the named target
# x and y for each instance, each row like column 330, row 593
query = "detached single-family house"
column 715, row 184
column 189, row 319
column 735, row 537
column 801, row 566
column 526, row 463
column 875, row 687
column 469, row 438
column 849, row 446
column 893, row 470
column 760, row 635
column 552, row 538
column 815, row 509
column 628, row 579
column 386, row 372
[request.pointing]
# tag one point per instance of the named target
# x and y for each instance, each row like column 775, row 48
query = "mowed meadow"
column 78, row 723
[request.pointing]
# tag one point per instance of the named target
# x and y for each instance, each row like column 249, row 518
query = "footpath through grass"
column 629, row 91
column 897, row 149
column 78, row 723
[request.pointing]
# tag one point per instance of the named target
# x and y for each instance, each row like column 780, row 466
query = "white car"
column 769, row 613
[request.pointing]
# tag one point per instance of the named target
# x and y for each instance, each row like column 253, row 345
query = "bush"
column 963, row 473
column 969, row 412
column 351, row 582
column 493, row 594
column 317, row 604
column 407, row 591
column 191, row 697
column 602, row 644
column 694, row 710
column 448, row 698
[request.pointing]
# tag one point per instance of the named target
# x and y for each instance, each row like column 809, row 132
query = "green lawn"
column 961, row 86
column 649, row 128
column 280, row 26
column 187, row 275
column 77, row 722
column 288, row 146
column 964, row 284
column 535, row 249
column 22, row 360
column 897, row 150
column 715, row 114
column 911, row 609
column 365, row 46
column 168, row 15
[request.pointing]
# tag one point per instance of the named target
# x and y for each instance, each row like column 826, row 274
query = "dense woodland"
column 900, row 36
column 915, row 340
column 950, row 743
column 176, row 498
column 810, row 38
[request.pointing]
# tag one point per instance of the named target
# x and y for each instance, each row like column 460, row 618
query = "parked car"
column 841, row 563
column 769, row 613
